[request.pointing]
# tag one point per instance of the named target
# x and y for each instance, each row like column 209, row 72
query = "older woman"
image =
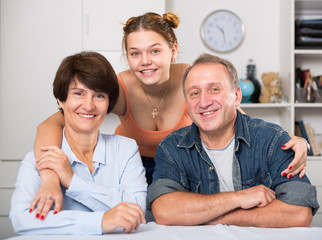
column 102, row 177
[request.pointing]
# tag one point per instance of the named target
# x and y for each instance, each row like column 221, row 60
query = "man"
column 225, row 167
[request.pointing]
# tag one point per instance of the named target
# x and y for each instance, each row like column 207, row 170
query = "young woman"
column 102, row 176
column 151, row 103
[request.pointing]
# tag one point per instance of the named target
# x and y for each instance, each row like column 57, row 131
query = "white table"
column 153, row 231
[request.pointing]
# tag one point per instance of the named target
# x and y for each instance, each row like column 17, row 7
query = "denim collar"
column 242, row 131
column 191, row 135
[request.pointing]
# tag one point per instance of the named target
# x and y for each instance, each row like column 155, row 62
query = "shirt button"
column 211, row 168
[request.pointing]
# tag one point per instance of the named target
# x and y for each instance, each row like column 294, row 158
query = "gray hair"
column 207, row 58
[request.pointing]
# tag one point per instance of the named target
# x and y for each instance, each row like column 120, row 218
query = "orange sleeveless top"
column 147, row 140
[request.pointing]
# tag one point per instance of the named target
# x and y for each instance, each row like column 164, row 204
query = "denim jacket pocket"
column 264, row 179
column 189, row 183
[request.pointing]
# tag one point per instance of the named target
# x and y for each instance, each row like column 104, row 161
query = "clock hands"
column 222, row 32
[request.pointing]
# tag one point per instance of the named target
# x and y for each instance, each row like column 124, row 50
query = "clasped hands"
column 128, row 216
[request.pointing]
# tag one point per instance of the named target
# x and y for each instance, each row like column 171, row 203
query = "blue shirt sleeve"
column 295, row 190
column 166, row 177
column 65, row 222
column 119, row 176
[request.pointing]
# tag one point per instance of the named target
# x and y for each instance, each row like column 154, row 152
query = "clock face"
column 222, row 31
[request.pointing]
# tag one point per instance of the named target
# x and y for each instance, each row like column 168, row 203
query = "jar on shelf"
column 251, row 69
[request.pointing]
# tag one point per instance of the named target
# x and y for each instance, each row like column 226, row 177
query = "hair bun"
column 172, row 19
column 128, row 22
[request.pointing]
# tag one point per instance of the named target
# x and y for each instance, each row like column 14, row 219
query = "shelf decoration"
column 251, row 68
column 308, row 33
column 271, row 92
column 247, row 89
column 308, row 89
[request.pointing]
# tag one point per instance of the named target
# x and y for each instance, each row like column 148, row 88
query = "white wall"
column 33, row 44
column 262, row 23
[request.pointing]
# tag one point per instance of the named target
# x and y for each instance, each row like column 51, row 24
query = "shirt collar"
column 242, row 131
column 191, row 136
column 99, row 152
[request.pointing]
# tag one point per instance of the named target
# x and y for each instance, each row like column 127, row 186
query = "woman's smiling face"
column 150, row 56
column 84, row 109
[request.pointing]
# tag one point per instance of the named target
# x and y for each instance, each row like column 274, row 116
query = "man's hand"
column 128, row 216
column 258, row 196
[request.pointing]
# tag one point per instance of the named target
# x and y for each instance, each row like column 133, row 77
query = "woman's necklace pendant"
column 154, row 112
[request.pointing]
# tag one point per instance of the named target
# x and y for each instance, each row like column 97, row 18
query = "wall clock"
column 222, row 31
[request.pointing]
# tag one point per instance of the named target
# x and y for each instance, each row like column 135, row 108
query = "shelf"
column 308, row 105
column 265, row 105
column 314, row 158
column 308, row 7
column 308, row 51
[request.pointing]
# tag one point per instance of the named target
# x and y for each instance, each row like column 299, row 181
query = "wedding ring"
column 51, row 198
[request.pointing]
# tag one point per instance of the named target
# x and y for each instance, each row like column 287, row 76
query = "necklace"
column 155, row 111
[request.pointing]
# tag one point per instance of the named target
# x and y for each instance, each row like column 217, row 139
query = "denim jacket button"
column 211, row 168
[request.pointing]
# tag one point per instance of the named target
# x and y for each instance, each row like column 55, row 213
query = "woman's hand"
column 128, row 216
column 48, row 194
column 298, row 165
column 55, row 159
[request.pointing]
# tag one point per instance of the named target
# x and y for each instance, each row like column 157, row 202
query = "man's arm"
column 296, row 198
column 185, row 208
column 275, row 215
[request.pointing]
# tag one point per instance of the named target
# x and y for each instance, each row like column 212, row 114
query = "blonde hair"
column 162, row 25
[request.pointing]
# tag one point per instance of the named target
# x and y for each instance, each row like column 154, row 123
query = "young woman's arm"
column 49, row 133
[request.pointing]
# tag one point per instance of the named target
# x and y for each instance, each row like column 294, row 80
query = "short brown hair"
column 91, row 69
column 152, row 21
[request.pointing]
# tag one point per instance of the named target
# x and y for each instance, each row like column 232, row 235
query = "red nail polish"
column 30, row 210
column 283, row 174
column 284, row 146
column 42, row 217
column 290, row 167
column 289, row 176
column 37, row 215
column 55, row 212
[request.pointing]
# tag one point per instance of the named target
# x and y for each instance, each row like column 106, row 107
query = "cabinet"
column 289, row 111
column 34, row 38
column 308, row 58
column 292, row 57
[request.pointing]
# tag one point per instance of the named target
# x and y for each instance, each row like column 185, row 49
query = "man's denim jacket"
column 183, row 165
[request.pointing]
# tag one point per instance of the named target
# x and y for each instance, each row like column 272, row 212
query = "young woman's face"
column 150, row 56
column 84, row 109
